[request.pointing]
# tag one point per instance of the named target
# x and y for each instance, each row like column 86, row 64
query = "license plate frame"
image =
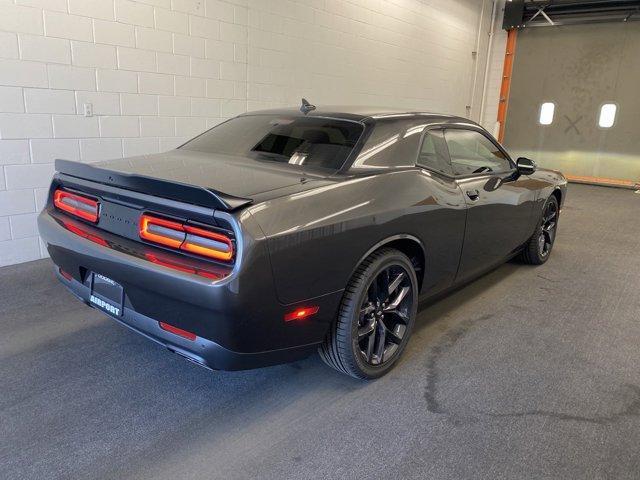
column 106, row 294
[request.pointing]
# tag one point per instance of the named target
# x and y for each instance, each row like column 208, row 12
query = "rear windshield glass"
column 309, row 141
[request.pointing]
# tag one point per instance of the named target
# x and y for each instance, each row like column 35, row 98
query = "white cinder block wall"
column 157, row 72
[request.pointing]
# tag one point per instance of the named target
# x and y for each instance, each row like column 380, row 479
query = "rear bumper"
column 238, row 322
column 200, row 351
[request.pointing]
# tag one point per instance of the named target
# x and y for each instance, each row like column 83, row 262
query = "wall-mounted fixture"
column 547, row 110
column 607, row 115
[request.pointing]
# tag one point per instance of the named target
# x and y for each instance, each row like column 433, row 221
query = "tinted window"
column 433, row 153
column 309, row 141
column 472, row 152
column 392, row 143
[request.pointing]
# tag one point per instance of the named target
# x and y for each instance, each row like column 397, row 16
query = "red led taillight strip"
column 183, row 268
column 186, row 237
column 89, row 236
column 77, row 205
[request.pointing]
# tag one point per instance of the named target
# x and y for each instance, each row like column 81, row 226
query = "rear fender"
column 387, row 242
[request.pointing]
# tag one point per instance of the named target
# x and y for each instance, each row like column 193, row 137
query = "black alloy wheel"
column 376, row 316
column 384, row 315
column 548, row 228
column 538, row 248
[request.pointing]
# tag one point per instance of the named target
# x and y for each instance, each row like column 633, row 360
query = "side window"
column 472, row 152
column 392, row 143
column 433, row 152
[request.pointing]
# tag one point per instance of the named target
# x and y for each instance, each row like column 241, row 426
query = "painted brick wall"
column 158, row 72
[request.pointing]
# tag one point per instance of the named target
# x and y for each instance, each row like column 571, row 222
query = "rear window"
column 309, row 141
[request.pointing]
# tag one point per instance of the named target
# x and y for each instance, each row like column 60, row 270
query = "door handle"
column 473, row 194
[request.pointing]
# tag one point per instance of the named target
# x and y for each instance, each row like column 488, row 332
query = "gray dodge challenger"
column 280, row 233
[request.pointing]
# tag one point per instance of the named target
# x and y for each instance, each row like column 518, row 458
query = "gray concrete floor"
column 529, row 372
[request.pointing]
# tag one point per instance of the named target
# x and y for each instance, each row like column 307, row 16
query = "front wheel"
column 538, row 248
column 376, row 317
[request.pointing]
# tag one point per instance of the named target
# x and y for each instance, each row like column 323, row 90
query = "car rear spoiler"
column 177, row 191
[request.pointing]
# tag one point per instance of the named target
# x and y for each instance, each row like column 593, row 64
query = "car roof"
column 359, row 113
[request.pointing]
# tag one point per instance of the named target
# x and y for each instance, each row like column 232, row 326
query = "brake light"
column 77, row 205
column 186, row 237
column 301, row 313
column 177, row 331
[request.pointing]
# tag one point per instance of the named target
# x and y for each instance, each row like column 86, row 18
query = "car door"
column 444, row 218
column 499, row 201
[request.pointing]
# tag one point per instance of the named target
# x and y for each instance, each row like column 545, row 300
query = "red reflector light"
column 66, row 275
column 177, row 331
column 77, row 205
column 301, row 313
column 186, row 237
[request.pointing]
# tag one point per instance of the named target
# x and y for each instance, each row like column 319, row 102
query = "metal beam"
column 534, row 13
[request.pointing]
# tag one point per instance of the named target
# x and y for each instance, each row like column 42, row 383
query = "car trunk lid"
column 236, row 180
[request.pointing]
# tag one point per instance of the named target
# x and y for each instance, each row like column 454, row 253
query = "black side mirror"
column 525, row 166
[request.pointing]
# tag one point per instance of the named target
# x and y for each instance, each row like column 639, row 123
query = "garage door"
column 574, row 103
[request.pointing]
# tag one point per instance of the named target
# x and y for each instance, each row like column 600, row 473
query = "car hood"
column 233, row 175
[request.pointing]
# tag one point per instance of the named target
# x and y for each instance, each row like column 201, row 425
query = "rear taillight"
column 77, row 205
column 165, row 232
column 186, row 237
column 207, row 243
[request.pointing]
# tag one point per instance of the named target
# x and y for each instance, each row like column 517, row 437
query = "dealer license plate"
column 106, row 294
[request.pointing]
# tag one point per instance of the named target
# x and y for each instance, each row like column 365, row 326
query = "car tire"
column 387, row 327
column 538, row 248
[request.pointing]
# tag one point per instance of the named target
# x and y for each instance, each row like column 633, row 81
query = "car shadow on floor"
column 433, row 309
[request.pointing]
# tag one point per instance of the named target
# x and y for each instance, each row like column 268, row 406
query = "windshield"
column 310, row 141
